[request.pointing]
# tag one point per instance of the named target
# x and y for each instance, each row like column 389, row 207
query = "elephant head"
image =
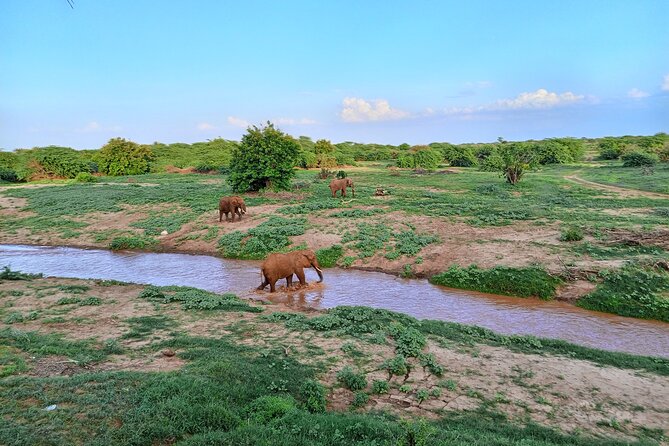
column 306, row 258
column 349, row 182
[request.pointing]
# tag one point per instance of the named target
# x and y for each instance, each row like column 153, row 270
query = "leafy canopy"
column 264, row 159
column 122, row 157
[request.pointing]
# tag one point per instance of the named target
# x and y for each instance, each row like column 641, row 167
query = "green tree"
column 324, row 153
column 265, row 159
column 515, row 159
column 121, row 157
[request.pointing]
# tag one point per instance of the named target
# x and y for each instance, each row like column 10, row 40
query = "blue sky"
column 368, row 71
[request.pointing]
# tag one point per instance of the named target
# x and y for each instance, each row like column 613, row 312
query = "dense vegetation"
column 120, row 157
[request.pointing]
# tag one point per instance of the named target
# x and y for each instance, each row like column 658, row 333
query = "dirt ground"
column 564, row 393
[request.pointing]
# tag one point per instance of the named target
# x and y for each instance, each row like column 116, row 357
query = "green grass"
column 157, row 222
column 143, row 326
column 8, row 274
column 523, row 282
column 633, row 290
column 328, row 257
column 630, row 177
column 270, row 236
column 196, row 299
column 132, row 242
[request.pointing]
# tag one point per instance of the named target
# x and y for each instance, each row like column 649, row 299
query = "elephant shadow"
column 295, row 296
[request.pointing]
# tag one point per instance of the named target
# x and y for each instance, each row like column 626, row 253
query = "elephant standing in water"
column 341, row 185
column 283, row 266
column 234, row 204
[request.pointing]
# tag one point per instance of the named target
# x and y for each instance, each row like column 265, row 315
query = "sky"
column 387, row 72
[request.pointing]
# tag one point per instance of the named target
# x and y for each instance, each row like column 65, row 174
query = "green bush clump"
column 264, row 159
column 133, row 242
column 59, row 161
column 633, row 290
column 68, row 300
column 380, row 387
column 351, row 379
column 639, row 159
column 85, row 177
column 610, row 149
column 524, row 282
column 327, row 257
column 356, row 213
column 270, row 236
column 314, row 396
column 8, row 175
column 409, row 243
column 196, row 299
column 396, row 366
column 419, row 157
column 91, row 301
column 429, row 362
column 571, row 234
column 409, row 342
column 122, row 157
column 369, row 238
column 359, row 400
column 8, row 274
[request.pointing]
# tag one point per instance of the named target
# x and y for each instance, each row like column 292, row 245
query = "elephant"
column 234, row 204
column 341, row 185
column 282, row 266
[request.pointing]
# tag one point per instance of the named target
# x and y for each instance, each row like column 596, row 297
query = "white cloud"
column 205, row 126
column 291, row 121
column 637, row 94
column 541, row 98
column 238, row 122
column 94, row 127
column 360, row 110
column 665, row 83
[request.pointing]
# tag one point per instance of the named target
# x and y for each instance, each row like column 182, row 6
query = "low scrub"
column 8, row 274
column 639, row 159
column 121, row 243
column 256, row 243
column 634, row 291
column 523, row 282
column 196, row 299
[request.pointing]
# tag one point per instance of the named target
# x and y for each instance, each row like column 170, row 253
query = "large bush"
column 610, row 149
column 58, row 161
column 121, row 157
column 559, row 151
column 264, row 159
column 419, row 156
column 515, row 159
column 639, row 159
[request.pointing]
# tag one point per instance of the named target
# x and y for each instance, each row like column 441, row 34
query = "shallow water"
column 415, row 297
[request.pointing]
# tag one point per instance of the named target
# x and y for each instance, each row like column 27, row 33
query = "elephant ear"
column 306, row 259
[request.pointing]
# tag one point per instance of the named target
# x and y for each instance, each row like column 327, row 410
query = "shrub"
column 639, row 159
column 524, row 282
column 121, row 157
column 380, row 387
column 359, row 400
column 351, row 380
column 264, row 159
column 8, row 175
column 85, row 177
column 610, row 149
column 59, row 161
column 516, row 159
column 559, row 151
column 396, row 366
column 341, row 174
column 571, row 234
column 314, row 395
column 266, row 408
column 8, row 274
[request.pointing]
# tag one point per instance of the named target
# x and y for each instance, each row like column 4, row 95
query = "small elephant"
column 234, row 204
column 341, row 185
column 283, row 266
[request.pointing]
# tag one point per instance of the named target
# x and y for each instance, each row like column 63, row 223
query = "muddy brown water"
column 418, row 298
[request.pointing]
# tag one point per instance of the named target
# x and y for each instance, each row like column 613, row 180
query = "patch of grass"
column 357, row 213
column 11, row 361
column 380, row 387
column 157, row 222
column 351, row 379
column 617, row 251
column 196, row 299
column 310, row 207
column 633, row 290
column 68, row 300
column 368, row 238
column 270, row 236
column 143, row 326
column 314, row 396
column 91, row 301
column 73, row 289
column 8, row 274
column 132, row 242
column 523, row 282
column 571, row 234
column 328, row 257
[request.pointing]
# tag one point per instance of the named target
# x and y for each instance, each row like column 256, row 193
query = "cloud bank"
column 361, row 110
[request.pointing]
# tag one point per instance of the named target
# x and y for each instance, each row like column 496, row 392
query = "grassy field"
column 100, row 362
column 576, row 223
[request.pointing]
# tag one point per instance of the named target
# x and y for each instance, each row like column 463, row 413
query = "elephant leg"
column 272, row 287
column 220, row 215
column 343, row 192
column 289, row 281
column 300, row 275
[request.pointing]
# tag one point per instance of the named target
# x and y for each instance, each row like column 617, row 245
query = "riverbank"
column 465, row 382
column 428, row 222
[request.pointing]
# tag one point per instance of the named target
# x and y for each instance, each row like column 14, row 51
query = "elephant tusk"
column 320, row 274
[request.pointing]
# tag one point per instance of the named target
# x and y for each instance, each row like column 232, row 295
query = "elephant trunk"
column 320, row 273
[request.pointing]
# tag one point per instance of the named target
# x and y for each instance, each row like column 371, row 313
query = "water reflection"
column 350, row 287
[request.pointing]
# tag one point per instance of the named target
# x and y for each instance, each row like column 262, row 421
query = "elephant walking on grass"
column 234, row 204
column 341, row 185
column 283, row 266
